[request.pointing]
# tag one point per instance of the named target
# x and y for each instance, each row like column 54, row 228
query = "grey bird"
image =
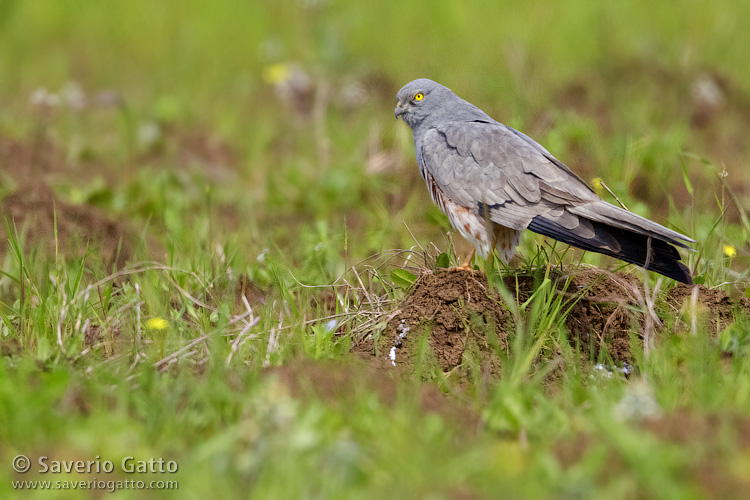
column 493, row 182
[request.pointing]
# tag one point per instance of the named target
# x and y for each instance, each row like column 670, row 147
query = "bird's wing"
column 496, row 170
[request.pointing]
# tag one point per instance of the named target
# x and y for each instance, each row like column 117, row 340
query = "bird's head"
column 418, row 99
column 422, row 102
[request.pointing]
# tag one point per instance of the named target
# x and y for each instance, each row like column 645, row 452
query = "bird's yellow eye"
column 419, row 96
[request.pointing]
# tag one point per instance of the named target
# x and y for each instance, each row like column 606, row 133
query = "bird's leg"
column 466, row 263
column 465, row 266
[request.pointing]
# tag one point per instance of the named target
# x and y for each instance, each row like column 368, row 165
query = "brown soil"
column 35, row 209
column 11, row 346
column 29, row 166
column 252, row 293
column 107, row 342
column 325, row 302
column 456, row 321
column 457, row 314
column 714, row 308
column 602, row 319
column 32, row 207
column 466, row 318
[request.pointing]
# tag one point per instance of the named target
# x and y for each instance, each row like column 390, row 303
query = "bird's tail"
column 642, row 250
column 610, row 215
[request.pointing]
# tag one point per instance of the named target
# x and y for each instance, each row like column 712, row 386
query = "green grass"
column 220, row 177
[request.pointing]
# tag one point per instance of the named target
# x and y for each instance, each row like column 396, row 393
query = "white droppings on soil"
column 402, row 330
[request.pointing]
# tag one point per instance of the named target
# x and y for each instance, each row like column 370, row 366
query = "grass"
column 246, row 196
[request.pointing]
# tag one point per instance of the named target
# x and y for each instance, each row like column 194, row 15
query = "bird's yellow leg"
column 466, row 263
column 465, row 266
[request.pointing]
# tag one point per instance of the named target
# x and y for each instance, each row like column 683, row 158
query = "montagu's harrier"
column 493, row 182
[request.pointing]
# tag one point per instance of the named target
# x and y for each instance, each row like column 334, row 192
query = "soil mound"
column 460, row 323
column 603, row 315
column 456, row 313
column 713, row 307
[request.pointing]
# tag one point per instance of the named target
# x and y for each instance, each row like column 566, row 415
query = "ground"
column 463, row 317
column 218, row 250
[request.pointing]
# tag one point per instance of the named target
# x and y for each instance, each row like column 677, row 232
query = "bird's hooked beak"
column 400, row 109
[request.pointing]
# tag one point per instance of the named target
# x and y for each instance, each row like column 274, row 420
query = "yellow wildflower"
column 157, row 323
column 276, row 73
column 730, row 251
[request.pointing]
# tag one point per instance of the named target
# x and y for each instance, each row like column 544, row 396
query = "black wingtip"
column 634, row 247
column 671, row 269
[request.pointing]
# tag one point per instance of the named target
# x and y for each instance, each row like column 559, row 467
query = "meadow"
column 217, row 251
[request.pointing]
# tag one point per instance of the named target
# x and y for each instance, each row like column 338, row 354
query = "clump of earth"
column 455, row 321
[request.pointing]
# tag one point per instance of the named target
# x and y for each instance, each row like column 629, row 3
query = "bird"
column 493, row 182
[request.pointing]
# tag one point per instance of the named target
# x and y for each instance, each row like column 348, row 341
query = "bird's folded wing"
column 495, row 170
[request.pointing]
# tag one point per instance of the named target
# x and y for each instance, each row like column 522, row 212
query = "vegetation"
column 206, row 205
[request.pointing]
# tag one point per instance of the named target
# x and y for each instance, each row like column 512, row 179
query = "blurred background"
column 161, row 130
column 184, row 185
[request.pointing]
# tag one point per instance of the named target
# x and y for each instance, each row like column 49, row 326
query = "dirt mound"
column 463, row 319
column 715, row 308
column 456, row 313
column 457, row 321
column 79, row 228
column 602, row 316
